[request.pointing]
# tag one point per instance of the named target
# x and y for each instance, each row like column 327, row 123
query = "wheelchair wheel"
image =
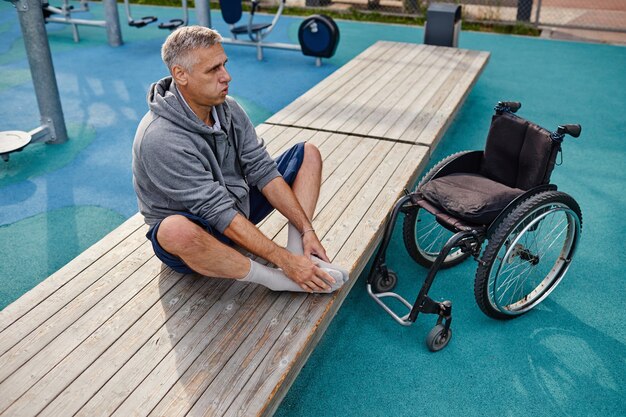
column 438, row 338
column 384, row 284
column 423, row 236
column 528, row 254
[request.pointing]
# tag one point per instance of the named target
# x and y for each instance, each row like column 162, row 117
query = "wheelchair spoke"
column 530, row 263
column 427, row 232
column 424, row 239
column 509, row 280
column 556, row 238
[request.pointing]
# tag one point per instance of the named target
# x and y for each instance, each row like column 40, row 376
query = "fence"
column 607, row 15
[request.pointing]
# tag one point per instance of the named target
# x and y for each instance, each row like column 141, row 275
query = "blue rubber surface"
column 567, row 357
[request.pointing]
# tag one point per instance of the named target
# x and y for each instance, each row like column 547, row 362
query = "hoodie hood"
column 165, row 100
column 182, row 165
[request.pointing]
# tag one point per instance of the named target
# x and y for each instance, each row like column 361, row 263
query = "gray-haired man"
column 203, row 178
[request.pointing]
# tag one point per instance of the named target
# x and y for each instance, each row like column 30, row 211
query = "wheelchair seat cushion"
column 470, row 197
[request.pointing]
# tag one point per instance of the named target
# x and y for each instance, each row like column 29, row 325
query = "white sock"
column 276, row 280
column 294, row 245
column 345, row 276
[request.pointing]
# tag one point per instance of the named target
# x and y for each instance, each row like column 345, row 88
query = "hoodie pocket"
column 239, row 193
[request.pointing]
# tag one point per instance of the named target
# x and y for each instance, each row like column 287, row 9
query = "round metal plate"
column 13, row 140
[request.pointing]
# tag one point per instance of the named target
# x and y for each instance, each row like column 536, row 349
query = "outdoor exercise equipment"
column 174, row 24
column 52, row 129
column 318, row 35
column 137, row 23
column 63, row 14
column 501, row 195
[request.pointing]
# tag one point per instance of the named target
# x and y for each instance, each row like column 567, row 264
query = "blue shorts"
column 288, row 164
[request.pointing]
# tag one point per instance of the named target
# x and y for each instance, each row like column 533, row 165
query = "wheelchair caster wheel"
column 385, row 284
column 438, row 338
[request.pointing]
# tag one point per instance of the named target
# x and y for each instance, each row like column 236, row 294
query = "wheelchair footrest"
column 403, row 320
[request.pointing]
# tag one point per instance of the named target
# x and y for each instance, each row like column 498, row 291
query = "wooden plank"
column 133, row 324
column 441, row 120
column 397, row 101
column 368, row 227
column 34, row 367
column 276, row 143
column 308, row 100
column 313, row 100
column 218, row 396
column 196, row 323
column 353, row 188
column 25, row 314
column 393, row 79
column 74, row 310
column 411, row 78
column 138, row 351
column 414, row 100
column 430, row 100
column 343, row 96
column 216, row 328
column 215, row 360
column 257, row 394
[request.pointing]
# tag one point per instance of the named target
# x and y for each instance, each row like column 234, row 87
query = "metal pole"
column 537, row 13
column 41, row 68
column 203, row 13
column 114, row 33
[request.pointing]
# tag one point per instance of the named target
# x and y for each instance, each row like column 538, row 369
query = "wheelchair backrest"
column 518, row 153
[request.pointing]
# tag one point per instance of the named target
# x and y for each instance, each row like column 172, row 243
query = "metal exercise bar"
column 41, row 68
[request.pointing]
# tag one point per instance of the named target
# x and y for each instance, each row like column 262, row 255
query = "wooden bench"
column 116, row 333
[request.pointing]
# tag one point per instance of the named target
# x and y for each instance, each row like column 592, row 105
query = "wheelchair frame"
column 468, row 238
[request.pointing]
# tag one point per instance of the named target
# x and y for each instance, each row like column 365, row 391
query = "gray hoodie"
column 181, row 164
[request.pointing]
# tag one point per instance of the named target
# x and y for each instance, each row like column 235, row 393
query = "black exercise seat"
column 255, row 28
column 139, row 23
column 172, row 24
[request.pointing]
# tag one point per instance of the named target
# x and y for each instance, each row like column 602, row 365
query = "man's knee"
column 312, row 155
column 177, row 233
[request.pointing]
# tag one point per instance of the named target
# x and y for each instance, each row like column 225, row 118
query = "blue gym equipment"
column 318, row 35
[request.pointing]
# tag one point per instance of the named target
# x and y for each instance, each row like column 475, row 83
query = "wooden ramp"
column 115, row 333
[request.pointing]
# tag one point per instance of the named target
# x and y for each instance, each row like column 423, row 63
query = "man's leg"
column 308, row 181
column 306, row 187
column 204, row 254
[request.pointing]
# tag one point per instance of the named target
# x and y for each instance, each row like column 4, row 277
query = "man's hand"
column 306, row 273
column 312, row 246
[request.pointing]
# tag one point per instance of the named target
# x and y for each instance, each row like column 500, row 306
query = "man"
column 203, row 179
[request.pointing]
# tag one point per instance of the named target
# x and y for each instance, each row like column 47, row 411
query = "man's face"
column 207, row 81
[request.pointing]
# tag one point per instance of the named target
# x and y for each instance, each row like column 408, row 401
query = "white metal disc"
column 12, row 140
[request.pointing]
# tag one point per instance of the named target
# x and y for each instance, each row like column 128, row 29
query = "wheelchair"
column 501, row 195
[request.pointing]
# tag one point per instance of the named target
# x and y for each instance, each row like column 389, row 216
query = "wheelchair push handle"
column 572, row 130
column 509, row 106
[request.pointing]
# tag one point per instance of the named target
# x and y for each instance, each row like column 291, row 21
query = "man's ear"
column 179, row 74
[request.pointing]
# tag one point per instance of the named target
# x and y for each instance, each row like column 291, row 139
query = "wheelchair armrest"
column 466, row 162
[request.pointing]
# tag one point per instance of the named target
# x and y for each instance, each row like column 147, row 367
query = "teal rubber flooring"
column 565, row 358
